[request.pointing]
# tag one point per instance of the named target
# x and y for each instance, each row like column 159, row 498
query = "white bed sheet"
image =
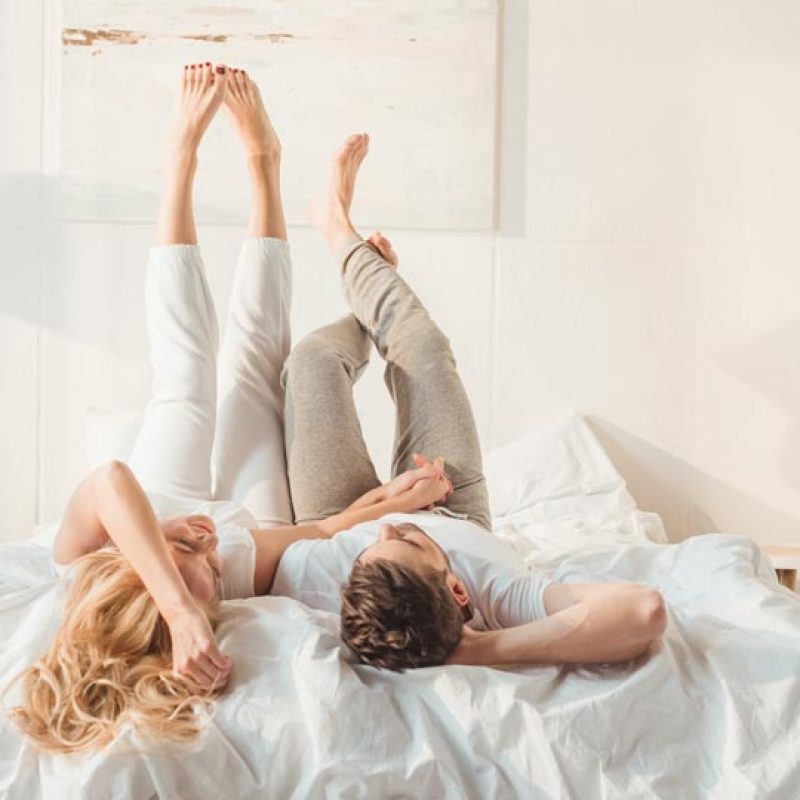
column 713, row 712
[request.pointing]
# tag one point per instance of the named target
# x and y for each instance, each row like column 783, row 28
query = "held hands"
column 195, row 653
column 422, row 487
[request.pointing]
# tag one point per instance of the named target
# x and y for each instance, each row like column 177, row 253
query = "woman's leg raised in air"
column 249, row 465
column 173, row 450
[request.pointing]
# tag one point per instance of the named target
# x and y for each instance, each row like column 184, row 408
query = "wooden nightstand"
column 786, row 560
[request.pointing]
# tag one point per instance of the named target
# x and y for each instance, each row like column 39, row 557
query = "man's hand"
column 426, row 470
column 468, row 649
column 399, row 486
column 195, row 653
column 424, row 494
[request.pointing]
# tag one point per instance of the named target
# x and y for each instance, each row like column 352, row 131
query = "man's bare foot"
column 384, row 247
column 331, row 211
column 203, row 89
column 250, row 118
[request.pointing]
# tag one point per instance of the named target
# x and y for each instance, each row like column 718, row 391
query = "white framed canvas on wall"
column 420, row 77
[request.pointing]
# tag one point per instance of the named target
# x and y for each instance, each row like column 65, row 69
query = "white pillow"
column 553, row 470
column 557, row 488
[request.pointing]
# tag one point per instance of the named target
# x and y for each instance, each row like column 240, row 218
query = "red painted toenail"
column 208, row 63
column 220, row 70
column 192, row 66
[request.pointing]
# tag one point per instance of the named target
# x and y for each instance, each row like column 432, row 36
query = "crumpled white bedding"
column 713, row 712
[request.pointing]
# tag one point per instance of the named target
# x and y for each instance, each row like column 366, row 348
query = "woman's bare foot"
column 263, row 148
column 250, row 118
column 203, row 89
column 331, row 211
column 384, row 247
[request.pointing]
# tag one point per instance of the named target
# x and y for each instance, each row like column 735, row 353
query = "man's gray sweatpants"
column 328, row 463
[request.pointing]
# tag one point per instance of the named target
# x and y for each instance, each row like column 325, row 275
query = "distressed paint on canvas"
column 418, row 76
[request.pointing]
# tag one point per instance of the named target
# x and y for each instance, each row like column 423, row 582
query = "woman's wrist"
column 398, row 504
column 373, row 496
column 174, row 603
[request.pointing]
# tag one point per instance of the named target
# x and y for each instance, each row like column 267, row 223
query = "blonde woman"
column 137, row 643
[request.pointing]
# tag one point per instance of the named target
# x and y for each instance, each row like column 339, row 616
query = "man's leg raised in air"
column 173, row 449
column 329, row 466
column 248, row 463
column 434, row 415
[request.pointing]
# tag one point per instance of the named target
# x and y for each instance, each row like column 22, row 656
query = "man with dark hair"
column 394, row 616
column 435, row 586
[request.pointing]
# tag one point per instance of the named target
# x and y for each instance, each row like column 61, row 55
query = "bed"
column 712, row 712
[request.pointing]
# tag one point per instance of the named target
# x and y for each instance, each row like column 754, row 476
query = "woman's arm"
column 271, row 543
column 111, row 505
column 403, row 482
column 615, row 622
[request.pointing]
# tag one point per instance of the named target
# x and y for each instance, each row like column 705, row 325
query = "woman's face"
column 192, row 541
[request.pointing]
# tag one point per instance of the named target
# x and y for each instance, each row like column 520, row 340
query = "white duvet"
column 713, row 712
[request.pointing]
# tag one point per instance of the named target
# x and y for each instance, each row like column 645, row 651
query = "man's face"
column 192, row 542
column 408, row 545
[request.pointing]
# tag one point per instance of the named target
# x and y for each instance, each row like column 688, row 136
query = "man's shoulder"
column 467, row 541
column 438, row 520
column 453, row 528
column 341, row 544
column 316, row 568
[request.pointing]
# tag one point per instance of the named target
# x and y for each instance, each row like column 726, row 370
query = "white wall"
column 643, row 269
column 661, row 253
column 20, row 264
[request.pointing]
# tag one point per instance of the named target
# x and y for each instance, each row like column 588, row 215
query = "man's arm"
column 110, row 505
column 591, row 623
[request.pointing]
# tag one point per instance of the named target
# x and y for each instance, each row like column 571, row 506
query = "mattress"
column 711, row 712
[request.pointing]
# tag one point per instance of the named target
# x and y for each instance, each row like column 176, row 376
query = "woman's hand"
column 425, row 493
column 426, row 469
column 195, row 653
column 398, row 486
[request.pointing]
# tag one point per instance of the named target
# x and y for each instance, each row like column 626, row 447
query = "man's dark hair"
column 394, row 617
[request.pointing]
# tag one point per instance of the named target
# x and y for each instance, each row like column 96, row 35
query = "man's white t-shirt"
column 236, row 547
column 503, row 590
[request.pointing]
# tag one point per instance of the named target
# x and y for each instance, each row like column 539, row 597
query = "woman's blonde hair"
column 110, row 664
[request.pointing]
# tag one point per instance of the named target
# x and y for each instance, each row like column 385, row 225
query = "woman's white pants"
column 214, row 427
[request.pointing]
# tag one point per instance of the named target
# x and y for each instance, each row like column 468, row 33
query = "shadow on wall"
column 689, row 501
column 763, row 366
column 41, row 275
column 22, row 232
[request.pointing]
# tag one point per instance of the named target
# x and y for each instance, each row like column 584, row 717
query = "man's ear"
column 458, row 589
